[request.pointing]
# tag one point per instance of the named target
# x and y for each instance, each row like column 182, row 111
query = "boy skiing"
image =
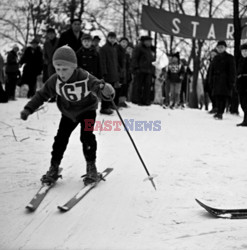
column 74, row 89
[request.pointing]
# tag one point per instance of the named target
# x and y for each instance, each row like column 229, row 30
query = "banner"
column 175, row 24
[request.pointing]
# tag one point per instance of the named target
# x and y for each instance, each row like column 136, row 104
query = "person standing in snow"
column 110, row 69
column 175, row 74
column 123, row 68
column 12, row 72
column 76, row 99
column 222, row 76
column 32, row 59
column 143, row 70
column 208, row 85
column 242, row 83
column 88, row 57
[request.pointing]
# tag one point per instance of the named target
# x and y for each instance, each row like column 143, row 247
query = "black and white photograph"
column 123, row 124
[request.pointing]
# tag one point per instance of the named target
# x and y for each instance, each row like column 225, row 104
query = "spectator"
column 32, row 59
column 96, row 41
column 12, row 72
column 208, row 85
column 88, row 57
column 72, row 37
column 123, row 67
column 143, row 70
column 3, row 94
column 242, row 83
column 50, row 46
column 222, row 76
column 109, row 68
column 185, row 82
column 175, row 75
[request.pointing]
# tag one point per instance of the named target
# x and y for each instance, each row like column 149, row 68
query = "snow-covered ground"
column 193, row 155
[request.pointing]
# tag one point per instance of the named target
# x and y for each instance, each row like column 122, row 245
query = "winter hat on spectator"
column 65, row 56
column 223, row 43
column 243, row 46
column 112, row 34
column 124, row 39
column 96, row 38
column 86, row 37
column 146, row 38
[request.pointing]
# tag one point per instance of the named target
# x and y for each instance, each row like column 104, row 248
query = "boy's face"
column 64, row 72
column 124, row 44
column 76, row 26
column 87, row 43
column 221, row 48
column 244, row 53
column 51, row 35
column 112, row 39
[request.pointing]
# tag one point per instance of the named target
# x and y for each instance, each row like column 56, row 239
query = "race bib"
column 73, row 92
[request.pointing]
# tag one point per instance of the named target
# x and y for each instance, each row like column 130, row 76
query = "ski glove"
column 108, row 92
column 24, row 114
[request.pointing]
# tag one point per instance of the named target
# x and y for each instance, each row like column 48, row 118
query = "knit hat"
column 96, row 38
column 123, row 39
column 223, row 43
column 243, row 46
column 112, row 34
column 86, row 37
column 146, row 38
column 65, row 56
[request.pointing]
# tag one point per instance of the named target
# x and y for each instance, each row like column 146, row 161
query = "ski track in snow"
column 193, row 155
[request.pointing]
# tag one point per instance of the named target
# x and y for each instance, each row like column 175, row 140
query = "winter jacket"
column 142, row 59
column 33, row 60
column 222, row 74
column 242, row 75
column 68, row 38
column 89, row 60
column 122, row 62
column 109, row 62
column 175, row 73
column 74, row 97
column 49, row 49
column 12, row 65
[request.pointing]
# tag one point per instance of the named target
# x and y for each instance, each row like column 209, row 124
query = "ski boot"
column 92, row 176
column 52, row 175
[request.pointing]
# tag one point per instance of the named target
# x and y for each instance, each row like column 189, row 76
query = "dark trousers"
column 243, row 101
column 66, row 127
column 220, row 101
column 144, row 81
column 11, row 84
column 32, row 85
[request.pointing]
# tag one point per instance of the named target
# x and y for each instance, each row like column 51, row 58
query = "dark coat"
column 89, row 60
column 142, row 59
column 48, row 51
column 70, row 39
column 33, row 60
column 122, row 62
column 12, row 65
column 222, row 74
column 242, row 75
column 109, row 62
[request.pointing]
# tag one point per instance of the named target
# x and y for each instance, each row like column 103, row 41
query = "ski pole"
column 133, row 143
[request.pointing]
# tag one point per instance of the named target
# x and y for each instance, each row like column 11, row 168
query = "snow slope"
column 193, row 155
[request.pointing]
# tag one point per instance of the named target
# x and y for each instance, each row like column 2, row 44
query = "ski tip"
column 63, row 208
column 30, row 208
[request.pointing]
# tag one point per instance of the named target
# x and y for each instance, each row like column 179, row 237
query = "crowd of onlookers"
column 226, row 83
column 130, row 70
